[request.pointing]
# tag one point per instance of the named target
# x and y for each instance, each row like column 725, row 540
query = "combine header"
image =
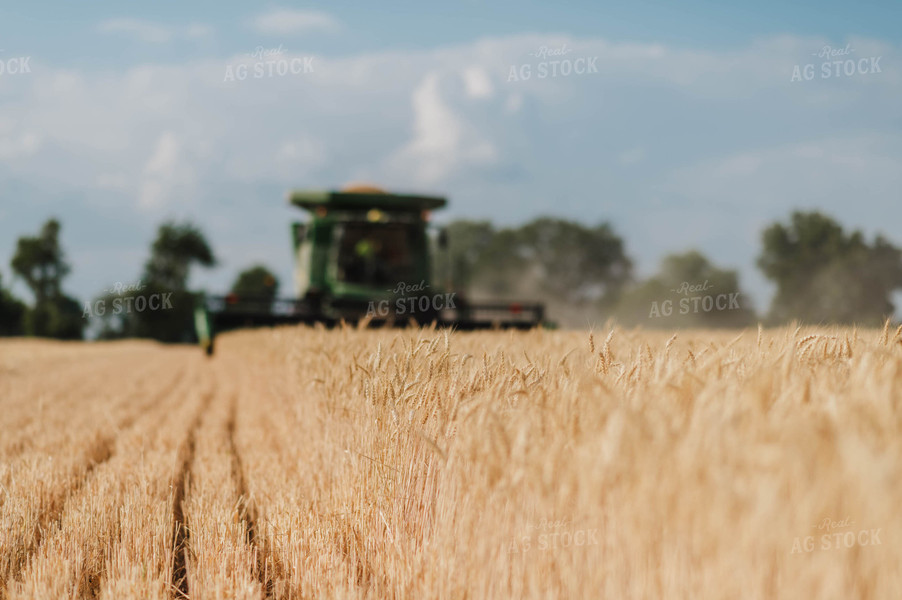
column 363, row 254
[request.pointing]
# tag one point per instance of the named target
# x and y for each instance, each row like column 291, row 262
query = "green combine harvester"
column 364, row 254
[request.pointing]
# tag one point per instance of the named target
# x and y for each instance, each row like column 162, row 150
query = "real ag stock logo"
column 549, row 534
column 268, row 63
column 130, row 303
column 692, row 304
column 555, row 67
column 405, row 304
column 17, row 65
column 842, row 67
column 836, row 540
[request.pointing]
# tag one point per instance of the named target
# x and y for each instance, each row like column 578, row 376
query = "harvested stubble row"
column 371, row 464
column 72, row 434
column 43, row 398
column 222, row 561
column 114, row 530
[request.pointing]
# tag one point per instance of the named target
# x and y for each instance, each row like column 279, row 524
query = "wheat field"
column 305, row 463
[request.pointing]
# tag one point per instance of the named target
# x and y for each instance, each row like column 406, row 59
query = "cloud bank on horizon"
column 678, row 146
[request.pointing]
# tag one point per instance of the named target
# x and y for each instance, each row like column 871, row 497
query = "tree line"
column 822, row 274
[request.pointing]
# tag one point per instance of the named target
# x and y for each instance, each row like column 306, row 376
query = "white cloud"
column 165, row 158
column 167, row 176
column 283, row 21
column 840, row 173
column 716, row 140
column 302, row 155
column 513, row 103
column 477, row 82
column 22, row 146
column 418, row 123
column 145, row 31
column 151, row 32
column 289, row 160
column 632, row 156
column 442, row 140
column 113, row 181
column 198, row 31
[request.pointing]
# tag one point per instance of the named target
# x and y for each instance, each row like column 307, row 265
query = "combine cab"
column 362, row 254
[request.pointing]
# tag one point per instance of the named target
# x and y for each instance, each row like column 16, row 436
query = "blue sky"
column 690, row 134
column 64, row 30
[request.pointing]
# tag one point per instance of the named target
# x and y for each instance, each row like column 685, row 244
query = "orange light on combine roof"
column 362, row 188
column 232, row 299
column 321, row 211
column 426, row 215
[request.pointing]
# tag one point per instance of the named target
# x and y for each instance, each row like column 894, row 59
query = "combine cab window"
column 376, row 254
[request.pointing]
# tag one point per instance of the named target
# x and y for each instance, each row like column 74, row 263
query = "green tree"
column 177, row 248
column 12, row 313
column 571, row 261
column 547, row 257
column 826, row 275
column 40, row 262
column 468, row 242
column 60, row 318
column 681, row 279
column 256, row 282
column 577, row 271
